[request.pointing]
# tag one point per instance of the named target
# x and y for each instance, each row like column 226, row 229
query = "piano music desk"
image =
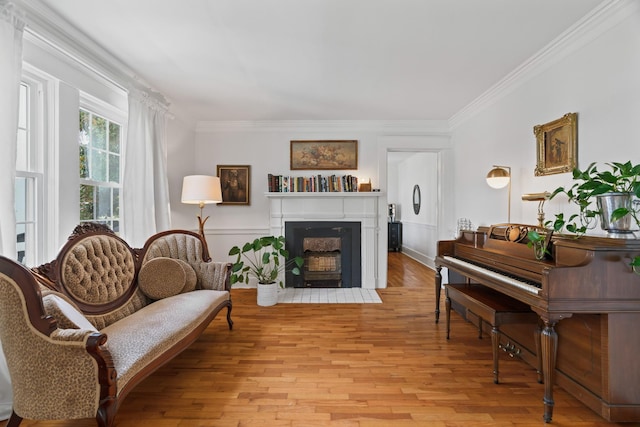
column 489, row 306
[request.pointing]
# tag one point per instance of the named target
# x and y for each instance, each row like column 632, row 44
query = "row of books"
column 316, row 183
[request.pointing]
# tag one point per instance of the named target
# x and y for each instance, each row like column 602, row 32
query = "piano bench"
column 489, row 306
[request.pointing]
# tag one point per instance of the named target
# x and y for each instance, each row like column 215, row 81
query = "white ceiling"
column 322, row 59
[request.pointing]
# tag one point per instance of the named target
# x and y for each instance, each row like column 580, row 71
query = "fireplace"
column 331, row 253
column 360, row 208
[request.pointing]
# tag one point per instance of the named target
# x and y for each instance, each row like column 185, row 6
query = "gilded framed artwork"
column 235, row 182
column 557, row 144
column 327, row 155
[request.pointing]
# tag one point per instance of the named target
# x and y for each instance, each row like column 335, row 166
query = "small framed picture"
column 235, row 181
column 328, row 155
column 557, row 144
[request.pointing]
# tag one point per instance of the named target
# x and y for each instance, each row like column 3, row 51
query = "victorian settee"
column 80, row 332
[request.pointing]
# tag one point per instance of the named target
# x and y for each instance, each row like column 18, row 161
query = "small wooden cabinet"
column 395, row 236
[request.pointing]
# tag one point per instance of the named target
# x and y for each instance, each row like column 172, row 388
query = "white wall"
column 266, row 150
column 181, row 160
column 597, row 76
column 419, row 230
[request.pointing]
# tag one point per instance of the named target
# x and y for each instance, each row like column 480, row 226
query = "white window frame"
column 36, row 173
column 117, row 116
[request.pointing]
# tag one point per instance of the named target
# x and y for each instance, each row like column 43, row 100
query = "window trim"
column 37, row 167
column 114, row 115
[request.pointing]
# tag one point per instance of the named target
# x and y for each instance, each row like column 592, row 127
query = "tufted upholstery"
column 98, row 269
column 86, row 373
column 95, row 271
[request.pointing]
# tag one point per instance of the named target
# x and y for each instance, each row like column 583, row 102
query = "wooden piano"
column 588, row 300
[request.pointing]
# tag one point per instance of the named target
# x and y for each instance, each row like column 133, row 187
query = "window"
column 99, row 141
column 29, row 175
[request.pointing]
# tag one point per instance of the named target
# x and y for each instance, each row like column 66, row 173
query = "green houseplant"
column 263, row 259
column 612, row 196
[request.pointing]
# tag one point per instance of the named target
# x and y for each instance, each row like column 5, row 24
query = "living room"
column 590, row 67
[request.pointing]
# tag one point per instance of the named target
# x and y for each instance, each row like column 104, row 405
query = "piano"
column 588, row 300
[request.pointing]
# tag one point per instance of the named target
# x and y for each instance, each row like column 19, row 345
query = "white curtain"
column 11, row 29
column 145, row 188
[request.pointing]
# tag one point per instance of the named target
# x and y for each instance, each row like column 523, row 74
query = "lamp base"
column 201, row 225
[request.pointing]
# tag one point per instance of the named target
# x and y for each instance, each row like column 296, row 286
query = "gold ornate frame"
column 324, row 155
column 557, row 144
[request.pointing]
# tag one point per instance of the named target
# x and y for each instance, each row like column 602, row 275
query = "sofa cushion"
column 67, row 315
column 164, row 277
column 191, row 279
column 137, row 340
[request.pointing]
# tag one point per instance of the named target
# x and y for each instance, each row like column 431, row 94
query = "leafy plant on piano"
column 588, row 191
column 539, row 241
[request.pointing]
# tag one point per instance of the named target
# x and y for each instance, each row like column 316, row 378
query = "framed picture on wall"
column 235, row 181
column 329, row 155
column 556, row 144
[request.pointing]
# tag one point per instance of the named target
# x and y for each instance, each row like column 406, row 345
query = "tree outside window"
column 99, row 144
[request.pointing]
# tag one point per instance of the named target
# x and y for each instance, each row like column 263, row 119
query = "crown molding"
column 435, row 127
column 605, row 16
column 48, row 28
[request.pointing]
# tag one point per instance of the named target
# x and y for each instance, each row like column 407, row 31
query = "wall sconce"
column 201, row 190
column 540, row 198
column 499, row 177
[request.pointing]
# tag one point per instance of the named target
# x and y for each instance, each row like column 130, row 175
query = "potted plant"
column 612, row 196
column 263, row 259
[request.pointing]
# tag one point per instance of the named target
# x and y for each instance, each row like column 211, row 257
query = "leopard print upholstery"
column 72, row 390
column 98, row 270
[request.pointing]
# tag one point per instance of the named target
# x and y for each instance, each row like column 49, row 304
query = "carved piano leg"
column 495, row 343
column 438, row 289
column 537, row 338
column 549, row 346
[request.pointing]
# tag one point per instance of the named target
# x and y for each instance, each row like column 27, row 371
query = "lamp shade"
column 498, row 177
column 201, row 189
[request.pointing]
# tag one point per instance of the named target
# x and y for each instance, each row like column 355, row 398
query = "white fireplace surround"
column 361, row 207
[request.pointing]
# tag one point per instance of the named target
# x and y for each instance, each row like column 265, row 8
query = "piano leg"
column 438, row 290
column 537, row 337
column 549, row 346
column 495, row 344
column 447, row 312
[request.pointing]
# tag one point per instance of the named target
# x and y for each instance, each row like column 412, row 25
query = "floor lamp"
column 500, row 177
column 201, row 190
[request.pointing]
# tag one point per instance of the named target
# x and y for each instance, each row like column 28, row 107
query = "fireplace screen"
column 331, row 253
column 322, row 266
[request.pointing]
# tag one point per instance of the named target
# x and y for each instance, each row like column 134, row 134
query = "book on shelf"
column 312, row 184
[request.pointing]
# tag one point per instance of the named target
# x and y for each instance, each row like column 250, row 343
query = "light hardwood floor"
column 369, row 365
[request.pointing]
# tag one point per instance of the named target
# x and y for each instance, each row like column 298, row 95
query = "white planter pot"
column 267, row 294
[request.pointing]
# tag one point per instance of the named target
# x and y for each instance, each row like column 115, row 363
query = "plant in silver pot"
column 612, row 196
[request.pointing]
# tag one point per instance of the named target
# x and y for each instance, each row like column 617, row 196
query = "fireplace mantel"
column 333, row 206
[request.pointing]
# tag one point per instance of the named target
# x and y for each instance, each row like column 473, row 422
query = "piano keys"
column 588, row 300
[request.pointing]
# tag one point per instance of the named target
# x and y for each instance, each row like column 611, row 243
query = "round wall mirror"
column 416, row 199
